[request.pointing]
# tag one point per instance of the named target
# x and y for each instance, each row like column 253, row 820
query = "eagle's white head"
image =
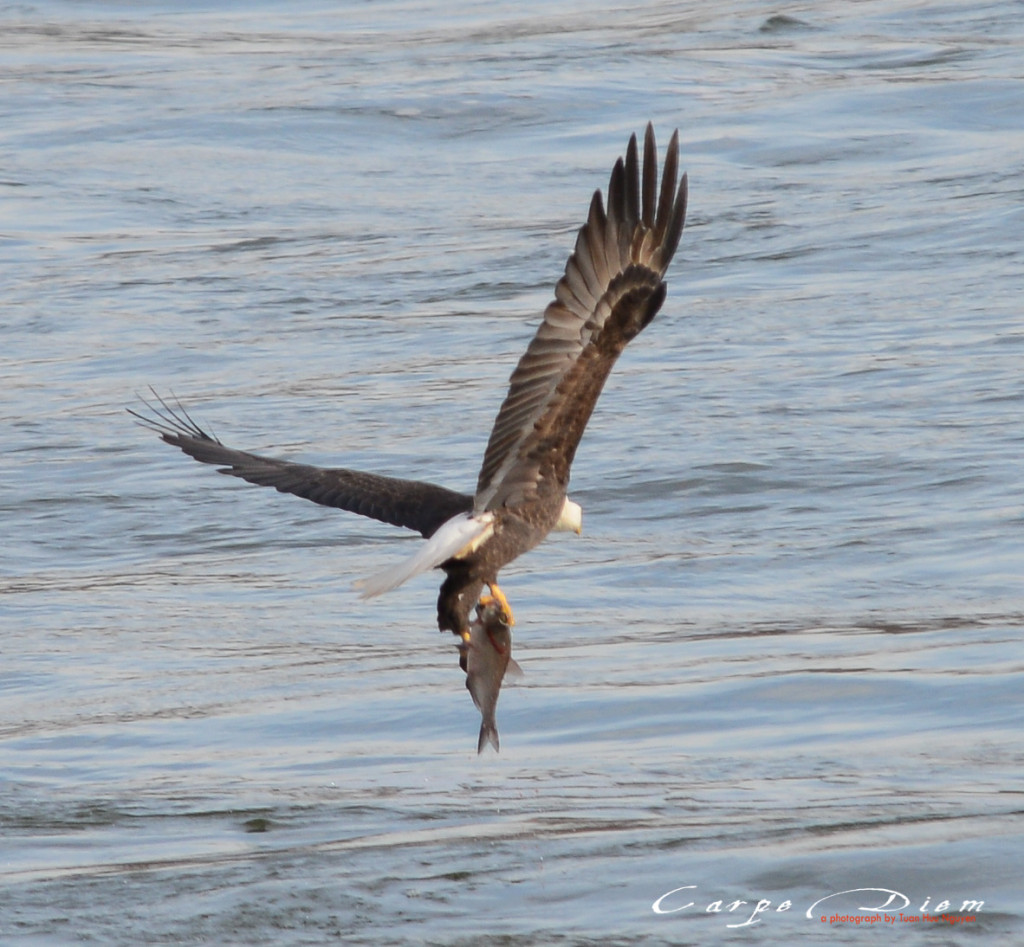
column 570, row 520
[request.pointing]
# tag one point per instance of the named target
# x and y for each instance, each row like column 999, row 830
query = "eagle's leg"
column 498, row 597
column 455, row 601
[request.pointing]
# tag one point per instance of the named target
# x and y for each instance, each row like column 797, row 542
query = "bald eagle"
column 612, row 288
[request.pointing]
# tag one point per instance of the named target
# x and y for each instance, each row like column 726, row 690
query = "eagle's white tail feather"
column 462, row 532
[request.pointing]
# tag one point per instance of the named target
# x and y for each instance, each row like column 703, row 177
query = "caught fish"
column 485, row 654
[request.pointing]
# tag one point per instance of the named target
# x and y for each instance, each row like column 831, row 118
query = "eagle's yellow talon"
column 497, row 597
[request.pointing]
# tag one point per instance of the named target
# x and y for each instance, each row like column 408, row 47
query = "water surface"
column 783, row 661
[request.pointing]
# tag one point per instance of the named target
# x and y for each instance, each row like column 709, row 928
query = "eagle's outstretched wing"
column 611, row 289
column 409, row 503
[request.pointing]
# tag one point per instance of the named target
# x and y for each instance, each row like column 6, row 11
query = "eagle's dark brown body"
column 515, row 532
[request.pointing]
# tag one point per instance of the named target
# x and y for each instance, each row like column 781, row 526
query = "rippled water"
column 783, row 661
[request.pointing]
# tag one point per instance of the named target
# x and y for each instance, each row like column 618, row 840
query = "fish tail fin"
column 461, row 531
column 488, row 734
